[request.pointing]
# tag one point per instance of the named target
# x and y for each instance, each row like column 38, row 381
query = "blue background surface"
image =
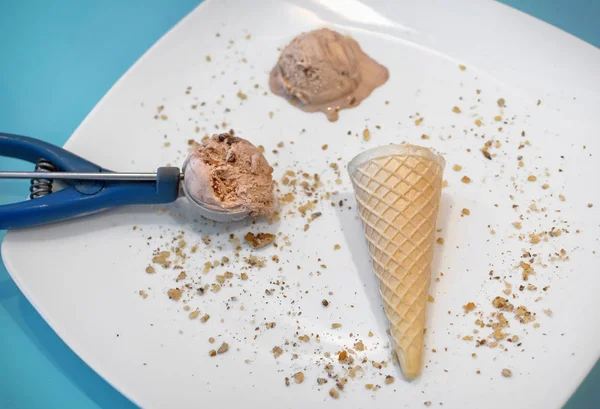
column 57, row 59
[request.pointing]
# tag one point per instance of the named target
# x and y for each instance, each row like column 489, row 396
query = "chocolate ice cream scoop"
column 229, row 175
column 325, row 71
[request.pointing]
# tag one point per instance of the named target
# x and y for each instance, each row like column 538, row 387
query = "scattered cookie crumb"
column 277, row 351
column 174, row 293
column 259, row 240
column 366, row 135
column 223, row 348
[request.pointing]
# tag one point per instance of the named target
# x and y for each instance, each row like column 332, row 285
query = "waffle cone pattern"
column 398, row 191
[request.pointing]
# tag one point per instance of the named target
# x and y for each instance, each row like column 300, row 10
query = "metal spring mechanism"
column 41, row 187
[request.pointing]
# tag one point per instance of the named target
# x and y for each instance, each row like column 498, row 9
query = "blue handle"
column 82, row 197
column 69, row 203
column 32, row 150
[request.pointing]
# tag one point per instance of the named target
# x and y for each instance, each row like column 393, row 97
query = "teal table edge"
column 59, row 59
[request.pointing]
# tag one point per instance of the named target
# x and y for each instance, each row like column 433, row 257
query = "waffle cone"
column 398, row 191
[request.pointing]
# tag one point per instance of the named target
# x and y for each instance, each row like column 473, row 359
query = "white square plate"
column 84, row 276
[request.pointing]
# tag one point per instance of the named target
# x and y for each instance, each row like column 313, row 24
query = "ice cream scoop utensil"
column 88, row 188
